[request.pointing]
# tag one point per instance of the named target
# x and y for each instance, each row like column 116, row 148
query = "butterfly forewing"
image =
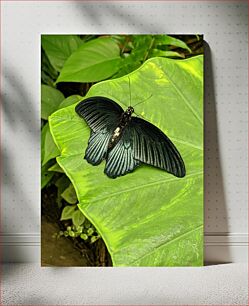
column 102, row 115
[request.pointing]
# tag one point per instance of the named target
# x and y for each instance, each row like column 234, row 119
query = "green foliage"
column 70, row 100
column 56, row 168
column 48, row 73
column 69, row 195
column 48, row 147
column 62, row 183
column 135, row 232
column 101, row 61
column 166, row 40
column 157, row 52
column 46, row 175
column 67, row 212
column 78, row 218
column 80, row 226
column 149, row 217
column 136, row 49
column 106, row 57
column 50, row 100
column 59, row 47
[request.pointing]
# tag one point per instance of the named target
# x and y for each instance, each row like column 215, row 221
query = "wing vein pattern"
column 102, row 115
column 140, row 141
column 153, row 147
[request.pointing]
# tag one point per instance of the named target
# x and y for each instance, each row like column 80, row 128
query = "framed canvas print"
column 122, row 150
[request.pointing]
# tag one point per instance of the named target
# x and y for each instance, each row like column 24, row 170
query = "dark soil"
column 66, row 251
column 59, row 251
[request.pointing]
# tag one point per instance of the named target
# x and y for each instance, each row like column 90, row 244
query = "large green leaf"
column 59, row 47
column 148, row 217
column 48, row 148
column 94, row 61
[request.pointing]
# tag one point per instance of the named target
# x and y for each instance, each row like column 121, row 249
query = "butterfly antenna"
column 139, row 115
column 143, row 101
column 129, row 88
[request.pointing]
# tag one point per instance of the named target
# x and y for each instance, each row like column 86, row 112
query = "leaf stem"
column 147, row 53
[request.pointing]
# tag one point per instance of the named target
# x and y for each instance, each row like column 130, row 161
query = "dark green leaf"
column 50, row 100
column 68, row 212
column 78, row 218
column 59, row 47
column 168, row 40
column 48, row 73
column 46, row 176
column 157, row 52
column 56, row 168
column 69, row 195
column 62, row 183
column 48, row 147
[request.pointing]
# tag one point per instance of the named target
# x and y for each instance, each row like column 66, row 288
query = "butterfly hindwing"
column 151, row 146
column 97, row 147
column 102, row 115
column 120, row 159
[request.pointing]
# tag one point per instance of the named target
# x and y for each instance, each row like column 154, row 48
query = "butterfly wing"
column 120, row 159
column 97, row 147
column 151, row 146
column 102, row 115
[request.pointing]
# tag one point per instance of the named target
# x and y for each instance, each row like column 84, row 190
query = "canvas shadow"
column 215, row 212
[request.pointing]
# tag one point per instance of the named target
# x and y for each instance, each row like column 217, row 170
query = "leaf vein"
column 167, row 243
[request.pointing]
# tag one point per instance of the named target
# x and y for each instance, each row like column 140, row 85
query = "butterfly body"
column 125, row 141
column 117, row 134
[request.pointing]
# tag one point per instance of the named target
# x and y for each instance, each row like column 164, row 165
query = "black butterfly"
column 125, row 141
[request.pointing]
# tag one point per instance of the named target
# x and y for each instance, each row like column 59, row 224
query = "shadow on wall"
column 214, row 194
column 18, row 109
column 20, row 120
column 120, row 15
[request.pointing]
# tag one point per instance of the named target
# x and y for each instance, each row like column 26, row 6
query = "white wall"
column 224, row 25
